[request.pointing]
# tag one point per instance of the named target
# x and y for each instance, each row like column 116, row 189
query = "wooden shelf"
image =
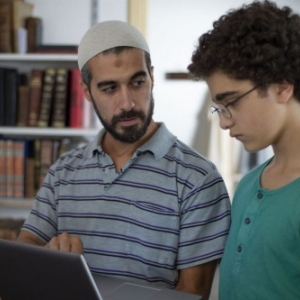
column 48, row 132
column 38, row 57
column 16, row 203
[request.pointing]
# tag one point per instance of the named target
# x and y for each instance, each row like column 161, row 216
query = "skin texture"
column 121, row 93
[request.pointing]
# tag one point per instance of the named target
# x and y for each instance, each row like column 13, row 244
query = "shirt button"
column 259, row 195
column 106, row 170
column 247, row 221
column 239, row 249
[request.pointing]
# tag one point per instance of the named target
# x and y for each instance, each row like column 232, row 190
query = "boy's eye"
column 231, row 103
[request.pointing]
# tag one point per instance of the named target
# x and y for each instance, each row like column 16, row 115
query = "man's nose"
column 126, row 99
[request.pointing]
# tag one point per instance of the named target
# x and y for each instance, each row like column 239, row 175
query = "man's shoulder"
column 189, row 155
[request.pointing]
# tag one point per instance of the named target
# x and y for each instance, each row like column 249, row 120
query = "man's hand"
column 66, row 242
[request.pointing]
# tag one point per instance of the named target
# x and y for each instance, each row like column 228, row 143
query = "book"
column 37, row 163
column 5, row 26
column 29, row 182
column 20, row 11
column 19, row 147
column 2, row 98
column 35, row 91
column 77, row 99
column 10, row 168
column 46, row 97
column 11, row 96
column 33, row 26
column 3, row 168
column 60, row 100
column 66, row 49
column 46, row 148
column 23, row 102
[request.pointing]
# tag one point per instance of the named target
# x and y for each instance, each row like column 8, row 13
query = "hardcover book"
column 10, row 153
column 20, row 11
column 35, row 91
column 19, row 169
column 23, row 100
column 47, row 97
column 77, row 99
column 3, row 173
column 11, row 96
column 5, row 26
column 34, row 33
column 60, row 101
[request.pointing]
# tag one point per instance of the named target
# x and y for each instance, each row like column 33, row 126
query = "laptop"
column 36, row 273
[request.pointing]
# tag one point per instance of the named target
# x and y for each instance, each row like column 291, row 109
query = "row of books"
column 20, row 30
column 25, row 163
column 50, row 97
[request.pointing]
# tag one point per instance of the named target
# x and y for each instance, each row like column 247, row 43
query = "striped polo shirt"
column 166, row 210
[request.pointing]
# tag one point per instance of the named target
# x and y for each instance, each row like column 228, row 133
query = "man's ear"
column 85, row 91
column 152, row 74
column 285, row 91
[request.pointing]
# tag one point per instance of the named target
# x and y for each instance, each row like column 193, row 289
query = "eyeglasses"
column 223, row 109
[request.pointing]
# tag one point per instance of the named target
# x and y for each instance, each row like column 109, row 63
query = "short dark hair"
column 86, row 73
column 258, row 42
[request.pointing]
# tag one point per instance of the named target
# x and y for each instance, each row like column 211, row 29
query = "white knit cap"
column 107, row 35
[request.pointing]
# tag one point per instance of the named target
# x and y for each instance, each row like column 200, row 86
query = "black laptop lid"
column 36, row 273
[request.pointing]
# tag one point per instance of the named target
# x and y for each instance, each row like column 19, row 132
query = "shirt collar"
column 159, row 144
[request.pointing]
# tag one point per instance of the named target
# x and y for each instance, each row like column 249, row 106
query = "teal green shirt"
column 262, row 254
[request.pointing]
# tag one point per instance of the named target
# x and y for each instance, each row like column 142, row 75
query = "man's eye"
column 138, row 83
column 109, row 89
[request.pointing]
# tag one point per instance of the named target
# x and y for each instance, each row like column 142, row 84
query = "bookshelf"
column 16, row 208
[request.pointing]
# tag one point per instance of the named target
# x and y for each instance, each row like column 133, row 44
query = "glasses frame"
column 224, row 110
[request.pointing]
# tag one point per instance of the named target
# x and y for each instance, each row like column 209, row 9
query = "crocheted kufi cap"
column 107, row 35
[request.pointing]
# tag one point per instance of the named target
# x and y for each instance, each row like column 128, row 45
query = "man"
column 250, row 61
column 136, row 201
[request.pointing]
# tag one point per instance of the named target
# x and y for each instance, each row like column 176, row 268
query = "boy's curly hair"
column 258, row 42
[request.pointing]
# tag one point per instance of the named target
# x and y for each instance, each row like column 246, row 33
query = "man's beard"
column 129, row 134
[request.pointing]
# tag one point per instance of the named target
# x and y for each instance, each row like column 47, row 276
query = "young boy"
column 251, row 61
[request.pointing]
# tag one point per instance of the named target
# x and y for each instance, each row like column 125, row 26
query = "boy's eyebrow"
column 222, row 96
column 104, row 83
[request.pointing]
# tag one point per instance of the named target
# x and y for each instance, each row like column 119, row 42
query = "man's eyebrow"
column 138, row 74
column 222, row 96
column 104, row 83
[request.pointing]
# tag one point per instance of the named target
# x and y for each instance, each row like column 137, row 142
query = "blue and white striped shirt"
column 166, row 210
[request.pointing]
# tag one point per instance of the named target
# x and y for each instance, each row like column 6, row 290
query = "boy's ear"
column 285, row 91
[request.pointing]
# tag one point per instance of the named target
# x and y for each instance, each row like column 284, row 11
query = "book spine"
column 35, row 91
column 19, row 169
column 3, row 174
column 10, row 168
column 33, row 26
column 2, row 97
column 5, row 26
column 29, row 183
column 37, row 163
column 46, row 98
column 11, row 96
column 60, row 102
column 23, row 105
column 76, row 100
column 45, row 158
